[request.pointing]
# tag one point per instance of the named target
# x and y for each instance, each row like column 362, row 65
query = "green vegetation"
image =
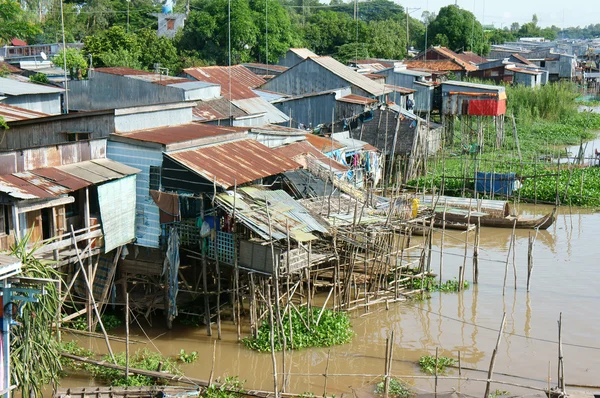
column 498, row 393
column 332, row 328
column 188, row 358
column 396, row 388
column 141, row 359
column 231, row 387
column 427, row 364
column 32, row 339
column 109, row 321
column 547, row 121
column 432, row 284
column 39, row 78
column 76, row 62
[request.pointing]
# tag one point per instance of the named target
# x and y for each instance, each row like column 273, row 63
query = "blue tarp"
column 494, row 183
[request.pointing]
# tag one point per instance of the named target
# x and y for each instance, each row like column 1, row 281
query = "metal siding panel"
column 116, row 200
column 147, row 221
column 69, row 154
column 149, row 120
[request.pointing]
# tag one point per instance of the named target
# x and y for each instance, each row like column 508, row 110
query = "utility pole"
column 408, row 11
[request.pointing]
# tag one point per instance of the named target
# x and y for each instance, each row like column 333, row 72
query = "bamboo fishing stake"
column 204, row 275
column 514, row 255
column 236, row 267
column 493, row 360
column 510, row 246
column 442, row 239
column 561, row 364
column 529, row 260
column 212, row 365
column 436, row 371
column 127, row 336
column 272, row 340
column 476, row 251
column 325, row 374
column 461, row 277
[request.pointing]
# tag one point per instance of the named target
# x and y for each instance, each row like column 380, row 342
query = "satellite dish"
column 43, row 55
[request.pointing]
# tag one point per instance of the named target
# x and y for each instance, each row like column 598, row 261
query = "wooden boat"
column 486, row 220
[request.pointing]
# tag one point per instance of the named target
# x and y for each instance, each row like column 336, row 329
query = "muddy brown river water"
column 565, row 279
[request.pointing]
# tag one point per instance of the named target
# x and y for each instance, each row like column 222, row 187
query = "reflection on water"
column 564, row 279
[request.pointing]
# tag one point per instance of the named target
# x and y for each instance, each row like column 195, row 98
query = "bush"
column 427, row 364
column 333, row 328
column 397, row 388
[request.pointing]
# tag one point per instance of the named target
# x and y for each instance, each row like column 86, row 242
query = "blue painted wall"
column 147, row 221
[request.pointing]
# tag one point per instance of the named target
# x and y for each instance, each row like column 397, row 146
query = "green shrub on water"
column 142, row 359
column 397, row 388
column 498, row 393
column 432, row 284
column 109, row 321
column 427, row 364
column 231, row 387
column 333, row 328
column 188, row 358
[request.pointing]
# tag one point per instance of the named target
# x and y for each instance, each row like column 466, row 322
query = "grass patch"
column 397, row 388
column 498, row 393
column 109, row 321
column 427, row 364
column 333, row 329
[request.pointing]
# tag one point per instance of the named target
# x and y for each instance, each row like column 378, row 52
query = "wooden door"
column 34, row 224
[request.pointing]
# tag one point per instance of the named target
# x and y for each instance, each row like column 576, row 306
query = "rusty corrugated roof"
column 242, row 80
column 219, row 108
column 401, row 90
column 122, row 71
column 234, row 162
column 62, row 178
column 357, row 99
column 12, row 113
column 185, row 132
column 438, row 65
column 49, row 186
column 469, row 56
column 304, row 148
column 8, row 67
column 323, row 144
column 276, row 68
column 21, row 188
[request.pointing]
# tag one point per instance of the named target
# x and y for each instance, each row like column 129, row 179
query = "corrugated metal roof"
column 469, row 56
column 398, row 89
column 242, row 80
column 98, row 171
column 185, row 132
column 521, row 58
column 122, row 71
column 218, row 108
column 480, row 86
column 323, row 144
column 239, row 161
column 303, row 52
column 8, row 67
column 12, row 113
column 276, row 68
column 270, row 96
column 260, row 105
column 277, row 130
column 49, row 186
column 438, row 65
column 20, row 189
column 526, row 71
column 452, row 56
column 284, row 212
column 156, row 78
column 371, row 61
column 304, row 148
column 354, row 145
column 14, row 87
column 357, row 99
column 351, row 76
column 60, row 177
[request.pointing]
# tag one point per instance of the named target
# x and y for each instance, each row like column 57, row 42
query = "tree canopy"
column 458, row 30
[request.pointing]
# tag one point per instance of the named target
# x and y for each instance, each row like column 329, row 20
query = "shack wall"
column 147, row 220
column 311, row 110
column 47, row 103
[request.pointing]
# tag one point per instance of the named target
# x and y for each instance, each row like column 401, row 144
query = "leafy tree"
column 206, row 31
column 328, row 30
column 458, row 29
column 348, row 51
column 386, row 39
column 14, row 22
column 76, row 62
column 116, row 47
column 500, row 36
column 280, row 33
column 514, row 27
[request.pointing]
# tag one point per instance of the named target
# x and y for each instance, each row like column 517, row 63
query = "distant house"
column 311, row 110
column 445, row 60
column 319, row 74
column 507, row 71
column 119, row 87
column 21, row 51
column 419, row 81
column 34, row 97
column 169, row 24
column 294, row 56
column 474, row 99
column 236, row 85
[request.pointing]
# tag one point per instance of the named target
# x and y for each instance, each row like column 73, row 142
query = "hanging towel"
column 168, row 203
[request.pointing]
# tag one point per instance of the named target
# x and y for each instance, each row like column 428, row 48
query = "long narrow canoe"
column 520, row 222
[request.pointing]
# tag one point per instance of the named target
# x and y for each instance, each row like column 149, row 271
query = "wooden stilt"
column 493, row 360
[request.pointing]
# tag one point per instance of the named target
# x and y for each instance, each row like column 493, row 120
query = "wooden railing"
column 60, row 248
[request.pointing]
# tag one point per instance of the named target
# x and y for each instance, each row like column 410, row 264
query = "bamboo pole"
column 493, row 360
column 442, row 240
column 127, row 336
column 236, row 267
column 204, row 274
column 561, row 364
column 436, row 372
column 476, row 251
column 212, row 364
column 510, row 246
column 325, row 374
column 272, row 341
